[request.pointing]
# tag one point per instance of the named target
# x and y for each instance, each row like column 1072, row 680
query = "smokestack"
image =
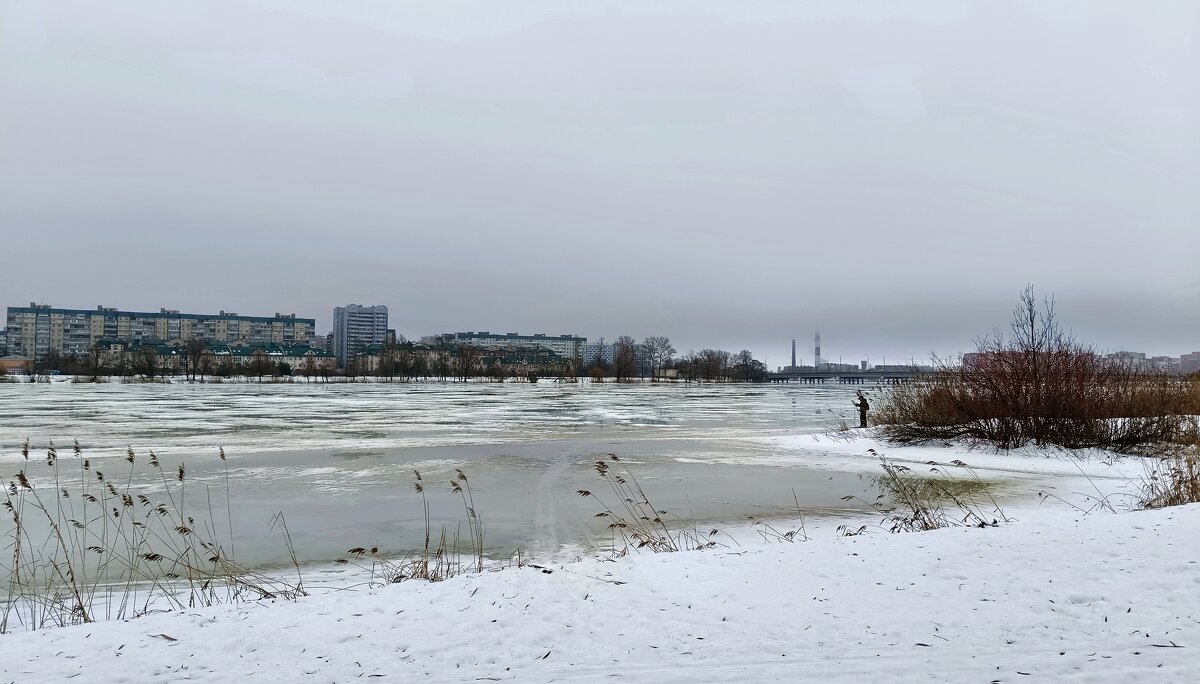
column 817, row 352
column 793, row 352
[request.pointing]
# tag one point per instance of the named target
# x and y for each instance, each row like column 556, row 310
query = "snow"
column 1059, row 595
column 1087, row 478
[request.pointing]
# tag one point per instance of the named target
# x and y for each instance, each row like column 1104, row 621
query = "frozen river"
column 338, row 459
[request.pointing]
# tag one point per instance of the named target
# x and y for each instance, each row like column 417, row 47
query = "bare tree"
column 568, row 369
column 406, row 359
column 713, row 364
column 261, row 365
column 308, row 368
column 468, row 361
column 748, row 369
column 597, row 368
column 95, row 365
column 625, row 362
column 388, row 365
column 224, row 369
column 146, row 363
column 418, row 366
column 359, row 365
column 197, row 349
column 685, row 366
column 496, row 370
column 122, row 364
column 439, row 364
column 658, row 354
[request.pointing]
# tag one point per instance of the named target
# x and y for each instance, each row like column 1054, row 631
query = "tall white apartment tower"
column 355, row 327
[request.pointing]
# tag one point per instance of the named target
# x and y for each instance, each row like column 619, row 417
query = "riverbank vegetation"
column 440, row 557
column 653, row 359
column 1035, row 384
column 1172, row 480
column 82, row 546
column 89, row 546
column 633, row 522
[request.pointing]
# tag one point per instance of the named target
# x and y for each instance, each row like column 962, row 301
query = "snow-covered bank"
column 1084, row 478
column 850, row 453
column 1104, row 597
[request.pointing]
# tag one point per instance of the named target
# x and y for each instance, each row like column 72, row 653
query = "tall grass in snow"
column 84, row 546
column 1172, row 480
column 911, row 502
column 438, row 558
column 636, row 523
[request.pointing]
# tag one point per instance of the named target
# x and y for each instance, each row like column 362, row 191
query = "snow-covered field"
column 1058, row 594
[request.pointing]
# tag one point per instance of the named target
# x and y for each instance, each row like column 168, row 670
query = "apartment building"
column 356, row 327
column 568, row 347
column 1189, row 363
column 594, row 353
column 40, row 329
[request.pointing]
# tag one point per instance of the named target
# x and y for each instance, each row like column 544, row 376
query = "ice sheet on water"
column 339, row 459
column 275, row 418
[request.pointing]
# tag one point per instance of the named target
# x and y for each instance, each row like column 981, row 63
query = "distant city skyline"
column 774, row 353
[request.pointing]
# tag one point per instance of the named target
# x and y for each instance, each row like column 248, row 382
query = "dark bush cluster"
column 1037, row 385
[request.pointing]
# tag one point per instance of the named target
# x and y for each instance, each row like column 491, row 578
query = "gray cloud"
column 725, row 174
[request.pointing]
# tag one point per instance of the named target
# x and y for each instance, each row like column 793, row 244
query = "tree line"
column 654, row 358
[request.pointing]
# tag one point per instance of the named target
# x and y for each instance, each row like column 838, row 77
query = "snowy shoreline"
column 1057, row 594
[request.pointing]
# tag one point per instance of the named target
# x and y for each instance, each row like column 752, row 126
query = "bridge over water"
column 867, row 377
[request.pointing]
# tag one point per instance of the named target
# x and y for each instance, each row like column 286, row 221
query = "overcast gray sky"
column 729, row 174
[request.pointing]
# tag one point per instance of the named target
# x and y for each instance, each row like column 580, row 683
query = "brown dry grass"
column 87, row 547
column 1172, row 480
column 953, row 496
column 437, row 559
column 635, row 523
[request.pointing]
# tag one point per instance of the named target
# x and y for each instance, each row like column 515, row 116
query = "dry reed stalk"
column 769, row 533
column 1172, row 480
column 108, row 552
column 635, row 523
column 432, row 563
column 909, row 502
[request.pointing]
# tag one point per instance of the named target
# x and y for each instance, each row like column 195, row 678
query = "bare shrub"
column 1037, row 385
column 911, row 502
